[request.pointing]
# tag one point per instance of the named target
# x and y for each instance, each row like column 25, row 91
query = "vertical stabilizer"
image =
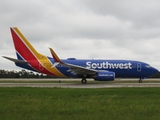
column 24, row 49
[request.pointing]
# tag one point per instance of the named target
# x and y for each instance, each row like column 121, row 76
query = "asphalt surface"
column 79, row 85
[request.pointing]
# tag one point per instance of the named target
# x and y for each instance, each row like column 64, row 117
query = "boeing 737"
column 99, row 70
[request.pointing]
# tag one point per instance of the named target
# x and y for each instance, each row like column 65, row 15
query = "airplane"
column 99, row 70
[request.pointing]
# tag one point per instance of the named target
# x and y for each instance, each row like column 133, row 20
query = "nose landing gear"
column 84, row 81
column 140, row 80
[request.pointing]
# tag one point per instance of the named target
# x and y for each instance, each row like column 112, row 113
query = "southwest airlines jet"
column 100, row 70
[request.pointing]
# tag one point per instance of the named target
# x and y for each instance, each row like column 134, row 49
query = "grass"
column 79, row 104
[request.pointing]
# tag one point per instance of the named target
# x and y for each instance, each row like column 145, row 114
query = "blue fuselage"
column 121, row 68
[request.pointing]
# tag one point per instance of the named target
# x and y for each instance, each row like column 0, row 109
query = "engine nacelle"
column 105, row 76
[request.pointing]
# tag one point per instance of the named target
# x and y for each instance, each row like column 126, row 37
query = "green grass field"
column 79, row 104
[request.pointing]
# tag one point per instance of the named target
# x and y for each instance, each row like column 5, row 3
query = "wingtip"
column 50, row 49
column 54, row 55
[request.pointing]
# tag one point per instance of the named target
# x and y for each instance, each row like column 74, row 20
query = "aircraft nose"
column 154, row 70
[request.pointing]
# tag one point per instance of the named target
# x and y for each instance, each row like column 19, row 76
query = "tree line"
column 22, row 74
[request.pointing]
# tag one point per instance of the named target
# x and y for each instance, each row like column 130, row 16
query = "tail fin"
column 29, row 58
column 24, row 49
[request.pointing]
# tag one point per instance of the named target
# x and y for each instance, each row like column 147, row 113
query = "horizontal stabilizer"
column 15, row 60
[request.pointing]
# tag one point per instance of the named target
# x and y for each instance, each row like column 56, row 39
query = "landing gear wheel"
column 140, row 81
column 84, row 81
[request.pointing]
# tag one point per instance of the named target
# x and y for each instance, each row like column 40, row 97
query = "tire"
column 84, row 81
column 140, row 81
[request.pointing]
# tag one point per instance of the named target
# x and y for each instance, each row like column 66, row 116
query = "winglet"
column 55, row 57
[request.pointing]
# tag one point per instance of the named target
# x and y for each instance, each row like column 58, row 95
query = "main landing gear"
column 84, row 81
column 140, row 80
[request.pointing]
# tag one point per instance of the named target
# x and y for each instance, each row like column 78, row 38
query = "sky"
column 84, row 29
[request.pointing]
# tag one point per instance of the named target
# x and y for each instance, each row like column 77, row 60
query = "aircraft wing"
column 79, row 70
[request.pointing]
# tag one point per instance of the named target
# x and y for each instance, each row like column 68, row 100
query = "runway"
column 79, row 85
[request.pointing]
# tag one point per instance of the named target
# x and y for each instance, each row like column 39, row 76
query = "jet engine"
column 105, row 76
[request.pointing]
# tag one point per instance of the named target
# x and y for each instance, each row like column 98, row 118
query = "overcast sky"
column 95, row 29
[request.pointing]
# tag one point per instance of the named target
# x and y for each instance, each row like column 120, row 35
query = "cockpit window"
column 148, row 66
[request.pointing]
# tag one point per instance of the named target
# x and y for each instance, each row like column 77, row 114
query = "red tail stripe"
column 26, row 53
